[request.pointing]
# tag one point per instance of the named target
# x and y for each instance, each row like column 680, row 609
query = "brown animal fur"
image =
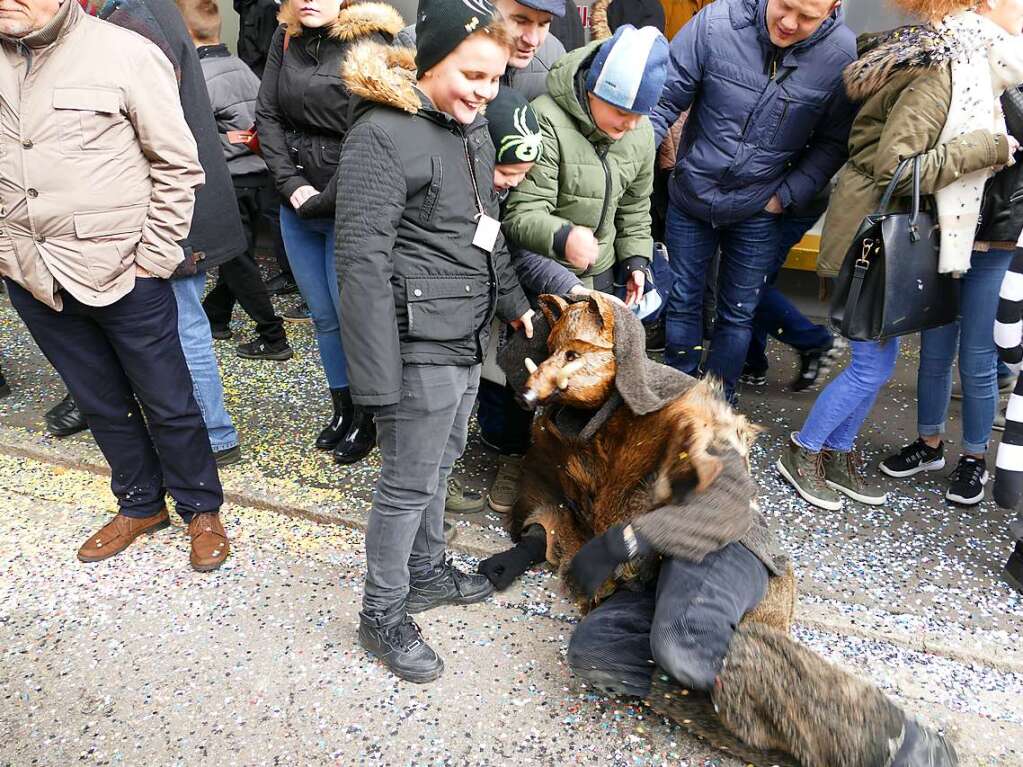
column 576, row 491
column 382, row 73
column 354, row 21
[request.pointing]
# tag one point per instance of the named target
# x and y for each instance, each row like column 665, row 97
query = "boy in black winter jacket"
column 422, row 270
column 233, row 89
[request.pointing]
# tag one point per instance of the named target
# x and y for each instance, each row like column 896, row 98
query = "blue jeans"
column 839, row 412
column 776, row 315
column 197, row 344
column 310, row 248
column 749, row 251
column 973, row 335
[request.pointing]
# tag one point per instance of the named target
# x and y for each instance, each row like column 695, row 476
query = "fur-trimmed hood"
column 383, row 74
column 354, row 21
column 888, row 54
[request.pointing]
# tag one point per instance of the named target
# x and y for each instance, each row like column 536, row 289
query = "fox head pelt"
column 580, row 370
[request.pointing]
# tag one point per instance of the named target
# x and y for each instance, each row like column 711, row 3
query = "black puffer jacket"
column 414, row 288
column 304, row 109
column 1001, row 211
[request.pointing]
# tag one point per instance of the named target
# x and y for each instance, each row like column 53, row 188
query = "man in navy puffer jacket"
column 767, row 128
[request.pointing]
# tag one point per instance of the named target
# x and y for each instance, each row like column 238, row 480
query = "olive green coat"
column 904, row 94
column 583, row 177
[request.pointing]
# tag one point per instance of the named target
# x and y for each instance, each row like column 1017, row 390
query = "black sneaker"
column 221, row 334
column 298, row 313
column 655, row 336
column 968, row 480
column 1013, row 572
column 913, row 459
column 448, row 586
column 228, row 456
column 281, row 285
column 261, row 350
column 815, row 364
column 64, row 418
column 751, row 378
column 402, row 649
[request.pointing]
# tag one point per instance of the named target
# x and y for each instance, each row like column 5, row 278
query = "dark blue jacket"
column 762, row 120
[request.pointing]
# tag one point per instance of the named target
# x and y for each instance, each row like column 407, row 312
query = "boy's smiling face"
column 510, row 175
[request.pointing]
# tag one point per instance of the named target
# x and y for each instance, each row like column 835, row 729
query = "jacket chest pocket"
column 89, row 120
column 439, row 308
column 433, row 190
column 797, row 117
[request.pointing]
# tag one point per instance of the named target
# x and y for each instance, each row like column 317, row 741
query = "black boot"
column 400, row 645
column 5, row 388
column 923, row 747
column 340, row 422
column 64, row 418
column 360, row 438
column 447, row 585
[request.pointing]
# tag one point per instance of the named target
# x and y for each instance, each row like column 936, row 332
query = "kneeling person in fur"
column 637, row 489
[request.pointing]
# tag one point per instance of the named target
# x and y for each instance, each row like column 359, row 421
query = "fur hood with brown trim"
column 383, row 74
column 354, row 21
column 884, row 56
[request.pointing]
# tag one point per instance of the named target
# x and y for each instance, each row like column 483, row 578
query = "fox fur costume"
column 624, row 439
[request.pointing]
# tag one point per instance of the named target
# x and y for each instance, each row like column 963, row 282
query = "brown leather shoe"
column 117, row 534
column 209, row 542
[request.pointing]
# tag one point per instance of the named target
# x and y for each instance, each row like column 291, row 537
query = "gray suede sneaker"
column 505, row 490
column 844, row 472
column 805, row 471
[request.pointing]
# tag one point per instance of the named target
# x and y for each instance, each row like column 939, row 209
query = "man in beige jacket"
column 98, row 172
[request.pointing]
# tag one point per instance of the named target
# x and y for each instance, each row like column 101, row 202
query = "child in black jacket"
column 422, row 270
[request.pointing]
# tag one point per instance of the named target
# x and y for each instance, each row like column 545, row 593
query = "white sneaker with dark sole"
column 809, row 497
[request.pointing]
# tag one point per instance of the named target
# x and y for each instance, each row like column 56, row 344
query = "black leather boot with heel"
column 340, row 422
column 360, row 438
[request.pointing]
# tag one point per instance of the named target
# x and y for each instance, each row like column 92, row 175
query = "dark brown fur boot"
column 775, row 694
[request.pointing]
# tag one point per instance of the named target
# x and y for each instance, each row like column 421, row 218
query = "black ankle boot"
column 340, row 422
column 923, row 747
column 359, row 440
column 401, row 647
column 65, row 419
column 5, row 388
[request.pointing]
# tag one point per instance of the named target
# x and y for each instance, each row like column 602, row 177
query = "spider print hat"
column 513, row 128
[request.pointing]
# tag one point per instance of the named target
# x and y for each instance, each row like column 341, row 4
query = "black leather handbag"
column 889, row 283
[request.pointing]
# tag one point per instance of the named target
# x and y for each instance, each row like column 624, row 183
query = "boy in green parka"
column 586, row 202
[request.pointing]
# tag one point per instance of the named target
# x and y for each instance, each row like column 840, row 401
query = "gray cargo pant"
column 420, row 438
column 684, row 624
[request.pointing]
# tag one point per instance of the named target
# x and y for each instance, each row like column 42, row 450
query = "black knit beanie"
column 443, row 24
column 513, row 128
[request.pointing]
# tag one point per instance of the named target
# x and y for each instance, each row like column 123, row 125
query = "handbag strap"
column 860, row 269
column 889, row 191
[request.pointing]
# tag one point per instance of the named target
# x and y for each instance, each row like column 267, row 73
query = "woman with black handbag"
column 918, row 97
column 1000, row 224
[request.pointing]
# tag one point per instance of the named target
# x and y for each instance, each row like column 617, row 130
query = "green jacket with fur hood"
column 583, row 177
column 903, row 84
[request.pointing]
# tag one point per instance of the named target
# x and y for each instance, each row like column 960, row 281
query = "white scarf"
column 989, row 62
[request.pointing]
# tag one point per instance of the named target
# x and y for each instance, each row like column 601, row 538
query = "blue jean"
column 836, row 417
column 776, row 315
column 973, row 335
column 310, row 248
column 683, row 625
column 197, row 344
column 749, row 251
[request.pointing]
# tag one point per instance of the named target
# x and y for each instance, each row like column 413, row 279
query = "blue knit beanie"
column 629, row 69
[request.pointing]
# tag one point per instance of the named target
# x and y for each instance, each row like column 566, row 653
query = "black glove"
column 502, row 569
column 595, row 562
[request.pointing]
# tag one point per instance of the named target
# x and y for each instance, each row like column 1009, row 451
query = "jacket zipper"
column 602, row 156
column 491, row 271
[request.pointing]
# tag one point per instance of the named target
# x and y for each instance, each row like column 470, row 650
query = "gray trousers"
column 684, row 624
column 420, row 439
